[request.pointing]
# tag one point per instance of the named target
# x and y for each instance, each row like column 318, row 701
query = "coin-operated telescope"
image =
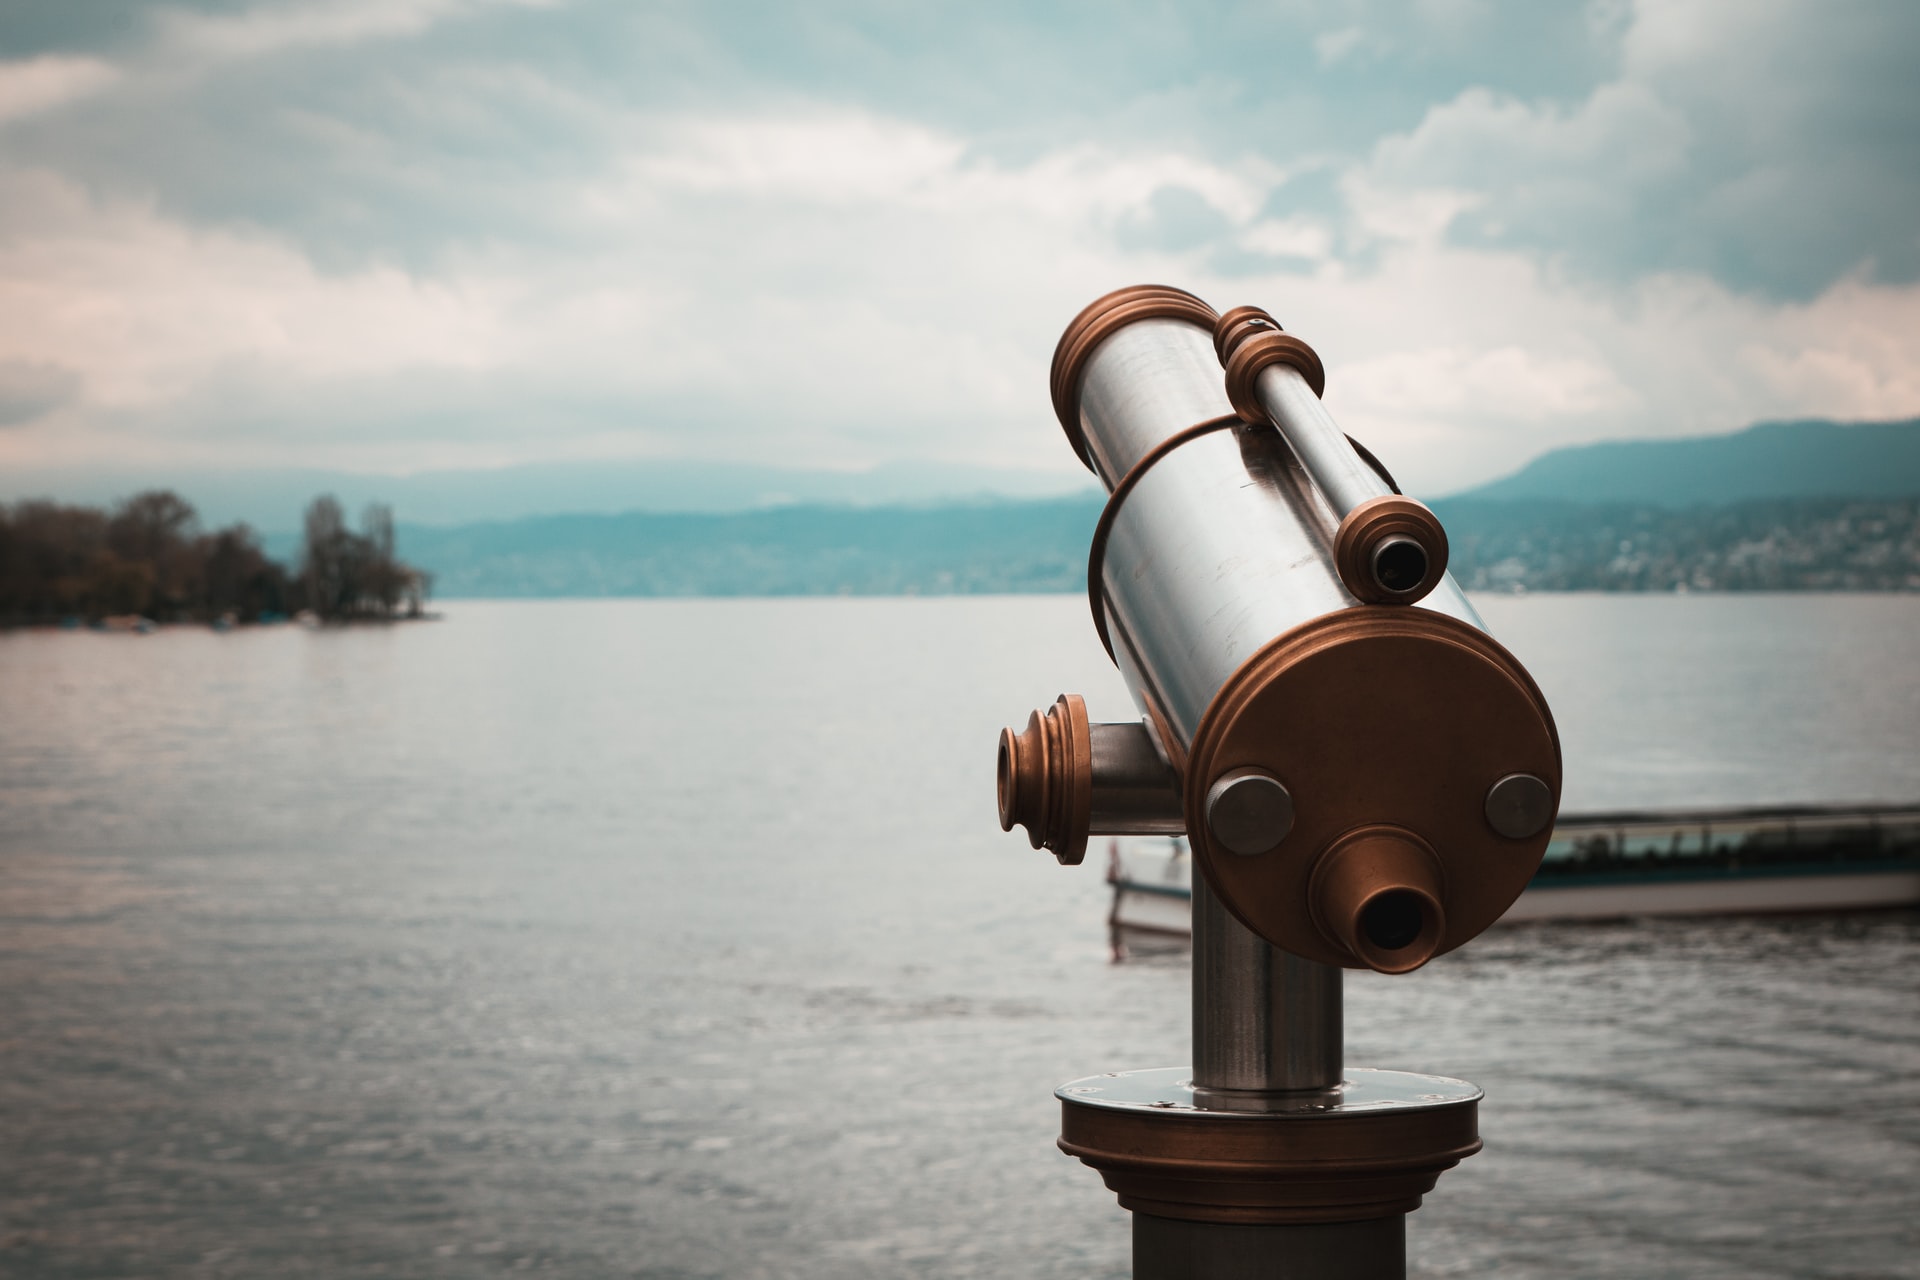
column 1367, row 780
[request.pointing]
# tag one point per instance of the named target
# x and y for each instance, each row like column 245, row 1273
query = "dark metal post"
column 1264, row 1021
column 1166, row 1249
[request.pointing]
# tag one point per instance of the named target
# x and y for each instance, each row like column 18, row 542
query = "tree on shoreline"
column 349, row 575
column 149, row 558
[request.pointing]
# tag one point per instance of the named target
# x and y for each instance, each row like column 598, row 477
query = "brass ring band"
column 1256, row 352
column 1236, row 325
column 1100, row 320
column 1098, row 553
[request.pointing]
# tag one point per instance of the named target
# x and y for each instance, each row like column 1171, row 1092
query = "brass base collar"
column 1369, row 1151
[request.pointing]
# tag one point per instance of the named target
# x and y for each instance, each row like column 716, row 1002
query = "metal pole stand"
column 1267, row 1160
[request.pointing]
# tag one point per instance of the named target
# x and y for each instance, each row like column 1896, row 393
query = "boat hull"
column 1152, row 887
column 1770, row 894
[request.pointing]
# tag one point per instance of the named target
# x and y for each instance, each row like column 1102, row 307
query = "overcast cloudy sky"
column 388, row 235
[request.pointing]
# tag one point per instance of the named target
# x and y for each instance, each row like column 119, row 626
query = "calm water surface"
column 678, row 939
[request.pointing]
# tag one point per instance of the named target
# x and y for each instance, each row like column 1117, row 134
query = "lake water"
column 678, row 939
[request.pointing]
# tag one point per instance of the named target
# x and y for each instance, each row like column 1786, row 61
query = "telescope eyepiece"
column 1376, row 896
column 1390, row 550
column 1392, row 920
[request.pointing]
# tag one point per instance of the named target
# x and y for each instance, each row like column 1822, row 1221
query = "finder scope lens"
column 1400, row 564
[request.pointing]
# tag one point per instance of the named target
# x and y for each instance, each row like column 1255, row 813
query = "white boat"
column 1613, row 865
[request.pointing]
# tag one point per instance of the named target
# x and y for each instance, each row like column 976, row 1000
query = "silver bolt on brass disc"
column 1248, row 812
column 1519, row 806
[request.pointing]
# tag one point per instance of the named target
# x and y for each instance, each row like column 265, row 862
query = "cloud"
column 254, row 32
column 436, row 233
column 1509, row 383
column 1769, row 146
column 147, row 309
column 29, row 390
column 1337, row 45
column 39, row 84
column 843, row 288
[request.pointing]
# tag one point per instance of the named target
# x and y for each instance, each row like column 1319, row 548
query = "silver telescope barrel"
column 1364, row 786
column 1241, row 535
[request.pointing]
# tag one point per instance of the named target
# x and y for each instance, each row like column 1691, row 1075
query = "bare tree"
column 326, row 559
column 154, row 530
column 356, row 575
column 385, row 575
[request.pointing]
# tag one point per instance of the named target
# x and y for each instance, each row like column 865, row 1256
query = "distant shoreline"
column 1081, row 596
column 113, row 627
column 871, row 596
column 1040, row 546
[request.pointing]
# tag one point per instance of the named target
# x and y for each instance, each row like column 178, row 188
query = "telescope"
column 1366, row 778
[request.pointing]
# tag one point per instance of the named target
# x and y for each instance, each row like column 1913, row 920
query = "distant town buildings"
column 1799, row 545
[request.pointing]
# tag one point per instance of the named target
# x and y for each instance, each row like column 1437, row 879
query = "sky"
column 409, row 235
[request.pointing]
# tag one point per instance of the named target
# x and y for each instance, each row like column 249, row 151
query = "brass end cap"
column 1046, row 779
column 1256, row 351
column 1390, row 551
column 1100, row 320
column 1376, row 895
column 1395, row 719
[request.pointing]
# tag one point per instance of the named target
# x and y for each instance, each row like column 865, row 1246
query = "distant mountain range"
column 272, row 500
column 1033, row 546
column 1770, row 460
column 1778, row 506
column 1706, row 514
column 1807, row 459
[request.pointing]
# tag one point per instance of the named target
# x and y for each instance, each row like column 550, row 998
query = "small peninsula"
column 147, row 561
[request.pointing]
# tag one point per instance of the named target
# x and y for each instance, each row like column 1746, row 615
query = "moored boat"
column 1611, row 865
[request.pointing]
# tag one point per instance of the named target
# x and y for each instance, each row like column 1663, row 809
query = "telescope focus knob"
column 1046, row 779
column 1064, row 779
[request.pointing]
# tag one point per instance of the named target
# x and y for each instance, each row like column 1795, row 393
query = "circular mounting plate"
column 1369, row 1148
column 1361, row 1089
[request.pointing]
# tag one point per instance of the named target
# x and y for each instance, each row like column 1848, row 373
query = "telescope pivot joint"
column 1065, row 778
